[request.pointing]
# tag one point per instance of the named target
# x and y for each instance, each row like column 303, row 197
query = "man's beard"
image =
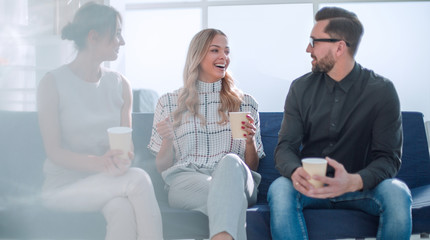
column 324, row 65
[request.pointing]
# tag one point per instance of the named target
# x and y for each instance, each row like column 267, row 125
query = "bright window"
column 156, row 46
column 267, row 47
column 268, row 41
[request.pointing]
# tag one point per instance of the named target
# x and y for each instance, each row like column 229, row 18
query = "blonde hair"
column 188, row 100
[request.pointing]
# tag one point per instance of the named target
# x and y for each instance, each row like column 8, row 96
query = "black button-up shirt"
column 356, row 121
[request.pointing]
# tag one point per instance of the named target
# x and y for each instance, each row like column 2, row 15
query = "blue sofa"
column 22, row 217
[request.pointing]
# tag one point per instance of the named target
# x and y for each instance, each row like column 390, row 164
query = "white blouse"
column 203, row 145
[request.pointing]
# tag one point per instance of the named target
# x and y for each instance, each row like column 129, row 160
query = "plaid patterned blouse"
column 203, row 145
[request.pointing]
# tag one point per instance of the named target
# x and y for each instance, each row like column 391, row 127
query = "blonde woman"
column 77, row 102
column 203, row 167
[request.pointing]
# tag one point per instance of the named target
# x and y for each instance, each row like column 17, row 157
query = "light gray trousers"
column 128, row 203
column 223, row 193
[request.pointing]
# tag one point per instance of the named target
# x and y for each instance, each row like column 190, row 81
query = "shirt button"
column 331, row 144
column 333, row 125
column 336, row 100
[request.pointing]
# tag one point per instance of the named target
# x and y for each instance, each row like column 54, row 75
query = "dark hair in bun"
column 91, row 16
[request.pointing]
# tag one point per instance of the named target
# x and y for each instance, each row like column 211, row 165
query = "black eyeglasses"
column 312, row 40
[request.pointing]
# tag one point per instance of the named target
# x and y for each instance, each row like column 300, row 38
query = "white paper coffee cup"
column 120, row 139
column 236, row 119
column 315, row 166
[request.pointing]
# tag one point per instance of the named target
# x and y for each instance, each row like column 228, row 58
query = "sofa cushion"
column 32, row 221
column 415, row 167
column 258, row 222
column 342, row 224
column 270, row 123
column 22, row 156
column 142, row 129
column 184, row 224
column 421, row 209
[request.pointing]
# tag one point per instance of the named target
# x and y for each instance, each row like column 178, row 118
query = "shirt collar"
column 204, row 87
column 346, row 83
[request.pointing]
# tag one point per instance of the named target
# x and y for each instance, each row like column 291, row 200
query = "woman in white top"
column 203, row 167
column 76, row 104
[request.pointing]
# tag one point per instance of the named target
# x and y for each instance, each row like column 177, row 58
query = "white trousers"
column 127, row 202
column 223, row 194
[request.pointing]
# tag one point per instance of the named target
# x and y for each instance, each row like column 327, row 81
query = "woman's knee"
column 119, row 207
column 231, row 164
column 139, row 178
column 139, row 173
column 230, row 160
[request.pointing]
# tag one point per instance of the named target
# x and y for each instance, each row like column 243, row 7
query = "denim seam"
column 301, row 216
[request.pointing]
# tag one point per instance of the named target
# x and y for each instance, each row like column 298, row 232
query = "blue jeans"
column 390, row 200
